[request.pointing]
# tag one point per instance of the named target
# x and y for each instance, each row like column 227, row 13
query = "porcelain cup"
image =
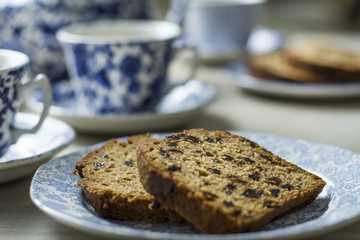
column 120, row 67
column 31, row 26
column 13, row 68
column 221, row 28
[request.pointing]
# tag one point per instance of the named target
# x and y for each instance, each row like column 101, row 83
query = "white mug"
column 221, row 28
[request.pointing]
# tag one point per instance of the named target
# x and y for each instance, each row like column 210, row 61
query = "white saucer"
column 240, row 76
column 179, row 105
column 32, row 150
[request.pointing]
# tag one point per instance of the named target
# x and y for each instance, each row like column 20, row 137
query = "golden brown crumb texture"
column 110, row 181
column 223, row 183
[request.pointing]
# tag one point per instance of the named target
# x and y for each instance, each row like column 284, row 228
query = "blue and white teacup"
column 29, row 26
column 13, row 68
column 119, row 67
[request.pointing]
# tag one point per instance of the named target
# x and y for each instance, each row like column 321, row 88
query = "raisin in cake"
column 110, row 181
column 223, row 183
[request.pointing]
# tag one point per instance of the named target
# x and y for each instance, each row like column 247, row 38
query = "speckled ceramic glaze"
column 54, row 191
column 120, row 66
column 31, row 26
column 13, row 66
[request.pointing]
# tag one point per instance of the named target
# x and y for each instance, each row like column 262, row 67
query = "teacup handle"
column 40, row 81
column 182, row 45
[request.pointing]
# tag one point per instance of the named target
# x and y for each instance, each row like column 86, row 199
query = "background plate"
column 240, row 76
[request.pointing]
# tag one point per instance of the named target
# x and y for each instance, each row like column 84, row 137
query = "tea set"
column 102, row 66
column 26, row 140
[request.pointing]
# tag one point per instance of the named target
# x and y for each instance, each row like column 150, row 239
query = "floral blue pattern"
column 191, row 96
column 130, row 65
column 31, row 26
column 9, row 81
column 54, row 191
column 106, row 86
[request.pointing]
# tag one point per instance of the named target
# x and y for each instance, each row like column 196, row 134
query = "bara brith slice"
column 223, row 183
column 110, row 181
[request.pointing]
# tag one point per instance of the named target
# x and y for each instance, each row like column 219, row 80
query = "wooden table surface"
column 335, row 122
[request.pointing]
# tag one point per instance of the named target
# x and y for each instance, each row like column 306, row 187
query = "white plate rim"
column 38, row 157
column 121, row 231
column 239, row 75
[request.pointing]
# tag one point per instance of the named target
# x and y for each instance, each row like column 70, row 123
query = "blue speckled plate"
column 31, row 150
column 54, row 191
